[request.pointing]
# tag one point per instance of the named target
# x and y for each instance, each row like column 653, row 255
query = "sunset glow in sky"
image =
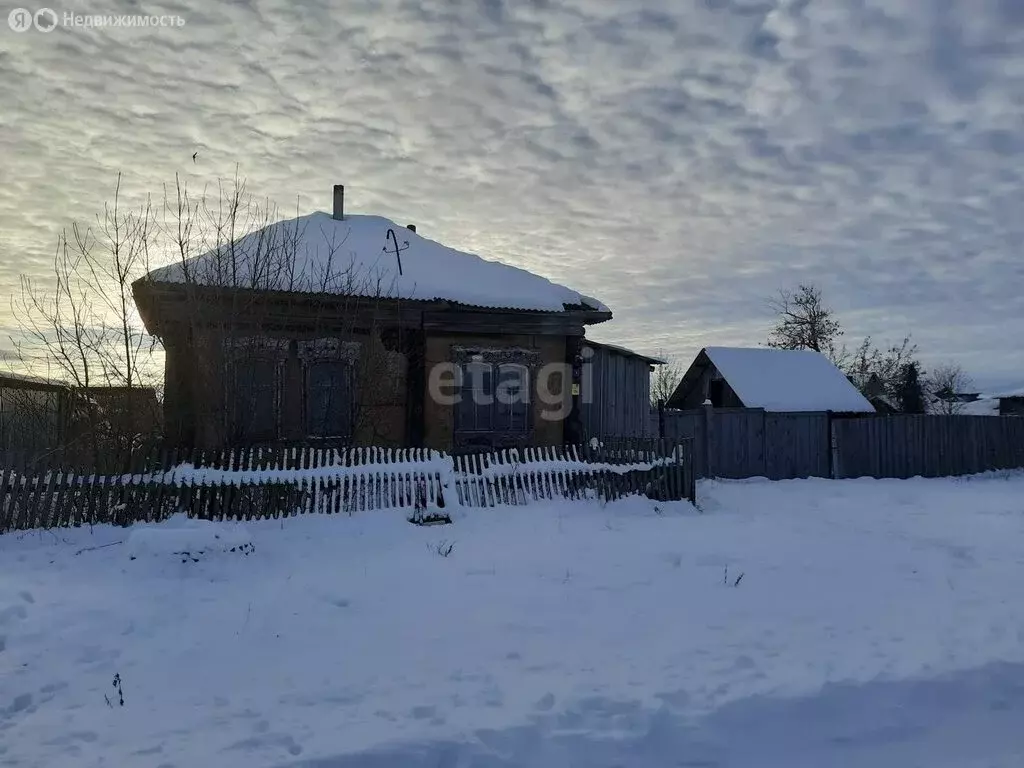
column 679, row 160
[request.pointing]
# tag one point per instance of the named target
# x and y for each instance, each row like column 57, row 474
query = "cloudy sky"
column 681, row 159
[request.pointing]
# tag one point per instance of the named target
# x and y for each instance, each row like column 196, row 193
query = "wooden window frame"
column 239, row 351
column 316, row 351
column 495, row 436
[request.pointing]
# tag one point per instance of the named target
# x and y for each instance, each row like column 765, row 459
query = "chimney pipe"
column 339, row 202
column 411, row 227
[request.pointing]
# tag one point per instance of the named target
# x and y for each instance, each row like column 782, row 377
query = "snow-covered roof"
column 983, row 406
column 787, row 380
column 8, row 377
column 1007, row 393
column 348, row 256
column 623, row 351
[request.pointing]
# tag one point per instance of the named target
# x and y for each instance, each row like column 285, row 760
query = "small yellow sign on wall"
column 575, row 389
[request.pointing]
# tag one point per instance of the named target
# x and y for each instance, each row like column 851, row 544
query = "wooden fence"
column 929, row 446
column 281, row 481
column 747, row 442
column 610, row 469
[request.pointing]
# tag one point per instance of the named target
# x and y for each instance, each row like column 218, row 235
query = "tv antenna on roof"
column 398, row 249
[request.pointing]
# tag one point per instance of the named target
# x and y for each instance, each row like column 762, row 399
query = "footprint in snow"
column 545, row 703
column 20, row 703
column 12, row 614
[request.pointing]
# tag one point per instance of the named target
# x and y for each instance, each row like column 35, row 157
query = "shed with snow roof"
column 778, row 380
column 616, row 391
column 353, row 328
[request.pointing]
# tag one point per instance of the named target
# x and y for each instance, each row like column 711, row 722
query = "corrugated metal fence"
column 742, row 442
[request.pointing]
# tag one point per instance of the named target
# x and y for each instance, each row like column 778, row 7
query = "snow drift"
column 876, row 623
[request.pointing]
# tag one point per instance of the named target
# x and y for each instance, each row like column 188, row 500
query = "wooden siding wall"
column 620, row 395
column 741, row 442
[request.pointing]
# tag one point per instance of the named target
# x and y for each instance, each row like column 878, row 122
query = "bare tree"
column 252, row 293
column 804, row 321
column 887, row 367
column 666, row 378
column 81, row 329
column 242, row 278
column 944, row 383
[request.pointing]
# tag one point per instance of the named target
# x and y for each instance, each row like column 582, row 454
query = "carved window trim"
column 496, row 357
column 329, row 349
column 531, row 358
column 239, row 349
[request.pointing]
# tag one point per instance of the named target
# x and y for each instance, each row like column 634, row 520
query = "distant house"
column 341, row 326
column 123, row 410
column 778, row 380
column 1012, row 404
column 38, row 415
column 949, row 396
column 874, row 390
column 33, row 413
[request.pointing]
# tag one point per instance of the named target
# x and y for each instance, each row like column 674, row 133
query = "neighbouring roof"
column 28, row 381
column 348, row 257
column 623, row 351
column 1008, row 394
column 781, row 380
column 983, row 406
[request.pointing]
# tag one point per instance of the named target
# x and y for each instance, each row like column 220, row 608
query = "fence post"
column 661, row 419
column 764, row 444
column 709, row 421
column 833, row 448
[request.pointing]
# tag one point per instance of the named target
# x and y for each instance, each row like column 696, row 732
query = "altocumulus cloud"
column 681, row 160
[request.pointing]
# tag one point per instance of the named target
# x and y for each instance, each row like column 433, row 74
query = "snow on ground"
column 876, row 623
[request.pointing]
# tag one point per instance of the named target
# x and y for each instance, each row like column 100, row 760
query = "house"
column 873, row 388
column 616, row 391
column 780, row 380
column 33, row 412
column 351, row 327
column 1012, row 404
column 39, row 416
column 948, row 396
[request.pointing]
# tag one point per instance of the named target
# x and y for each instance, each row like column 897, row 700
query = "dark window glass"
column 494, row 402
column 511, row 403
column 255, row 401
column 474, row 412
column 329, row 399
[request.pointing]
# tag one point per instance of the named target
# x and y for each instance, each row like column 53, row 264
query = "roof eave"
column 147, row 293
